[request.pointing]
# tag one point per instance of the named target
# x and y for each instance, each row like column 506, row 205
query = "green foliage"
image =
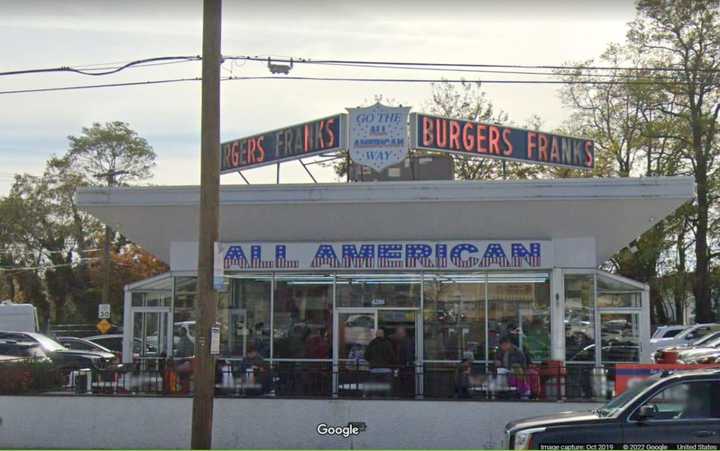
column 667, row 127
column 50, row 241
column 29, row 376
column 113, row 148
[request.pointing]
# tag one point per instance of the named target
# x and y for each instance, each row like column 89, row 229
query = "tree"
column 49, row 247
column 43, row 238
column 621, row 118
column 114, row 148
column 115, row 154
column 685, row 34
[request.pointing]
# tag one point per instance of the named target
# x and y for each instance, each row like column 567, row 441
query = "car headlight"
column 523, row 438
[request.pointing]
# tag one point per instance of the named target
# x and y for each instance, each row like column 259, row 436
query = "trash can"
column 599, row 383
column 81, row 380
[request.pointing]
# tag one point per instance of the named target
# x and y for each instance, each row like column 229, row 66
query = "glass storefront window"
column 579, row 318
column 156, row 298
column 464, row 313
column 302, row 317
column 184, row 306
column 454, row 316
column 614, row 293
column 519, row 309
column 155, row 292
column 184, row 284
column 378, row 290
column 620, row 337
column 244, row 316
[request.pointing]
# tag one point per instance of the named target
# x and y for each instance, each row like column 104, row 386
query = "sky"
column 40, row 34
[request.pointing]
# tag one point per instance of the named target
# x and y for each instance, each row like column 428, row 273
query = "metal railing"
column 292, row 379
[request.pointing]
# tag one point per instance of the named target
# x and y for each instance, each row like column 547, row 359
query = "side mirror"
column 647, row 411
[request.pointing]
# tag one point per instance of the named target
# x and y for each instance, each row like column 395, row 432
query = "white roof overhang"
column 613, row 211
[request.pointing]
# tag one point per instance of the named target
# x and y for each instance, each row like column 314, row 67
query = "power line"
column 447, row 80
column 343, row 79
column 33, row 268
column 487, row 71
column 104, row 85
column 100, row 72
column 78, row 251
column 473, row 65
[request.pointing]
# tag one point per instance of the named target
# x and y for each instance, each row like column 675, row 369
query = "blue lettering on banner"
column 351, row 251
column 388, row 256
column 234, row 256
column 389, row 251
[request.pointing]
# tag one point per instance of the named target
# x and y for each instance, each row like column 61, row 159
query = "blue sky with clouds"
column 54, row 33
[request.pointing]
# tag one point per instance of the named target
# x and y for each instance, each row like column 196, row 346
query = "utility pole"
column 206, row 305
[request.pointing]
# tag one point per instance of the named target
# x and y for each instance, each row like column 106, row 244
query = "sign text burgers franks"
column 498, row 141
column 309, row 138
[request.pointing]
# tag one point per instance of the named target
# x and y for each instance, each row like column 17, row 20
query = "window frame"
column 657, row 389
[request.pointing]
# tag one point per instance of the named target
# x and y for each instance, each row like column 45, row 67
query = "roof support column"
column 557, row 315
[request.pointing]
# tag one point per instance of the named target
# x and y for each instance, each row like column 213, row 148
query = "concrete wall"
column 147, row 422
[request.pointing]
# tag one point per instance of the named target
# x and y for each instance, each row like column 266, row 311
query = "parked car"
column 13, row 352
column 18, row 317
column 668, row 331
column 672, row 409
column 706, row 352
column 61, row 356
column 113, row 342
column 669, row 354
column 81, row 344
column 685, row 337
column 616, row 352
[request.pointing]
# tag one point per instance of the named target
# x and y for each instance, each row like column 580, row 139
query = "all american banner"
column 395, row 255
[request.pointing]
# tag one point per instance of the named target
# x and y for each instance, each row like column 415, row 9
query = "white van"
column 18, row 317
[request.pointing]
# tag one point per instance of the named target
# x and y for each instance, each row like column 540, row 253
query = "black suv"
column 672, row 409
column 60, row 356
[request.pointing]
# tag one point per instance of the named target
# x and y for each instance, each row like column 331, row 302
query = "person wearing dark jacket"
column 510, row 356
column 380, row 355
column 380, row 352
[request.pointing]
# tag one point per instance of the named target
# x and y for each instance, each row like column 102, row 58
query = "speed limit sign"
column 104, row 311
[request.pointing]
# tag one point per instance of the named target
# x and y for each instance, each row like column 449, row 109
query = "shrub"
column 29, row 377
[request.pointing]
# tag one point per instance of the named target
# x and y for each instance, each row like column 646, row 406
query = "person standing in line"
column 405, row 357
column 381, row 358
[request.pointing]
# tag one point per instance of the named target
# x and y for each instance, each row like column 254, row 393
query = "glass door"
column 392, row 368
column 619, row 336
column 401, row 327
column 354, row 330
column 151, row 333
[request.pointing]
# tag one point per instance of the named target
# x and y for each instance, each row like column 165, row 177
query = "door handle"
column 705, row 434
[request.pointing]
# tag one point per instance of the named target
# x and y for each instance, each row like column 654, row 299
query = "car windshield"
column 699, row 331
column 617, row 404
column 48, row 344
column 708, row 340
column 671, row 333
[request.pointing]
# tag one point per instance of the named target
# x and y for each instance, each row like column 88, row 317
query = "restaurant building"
column 446, row 268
